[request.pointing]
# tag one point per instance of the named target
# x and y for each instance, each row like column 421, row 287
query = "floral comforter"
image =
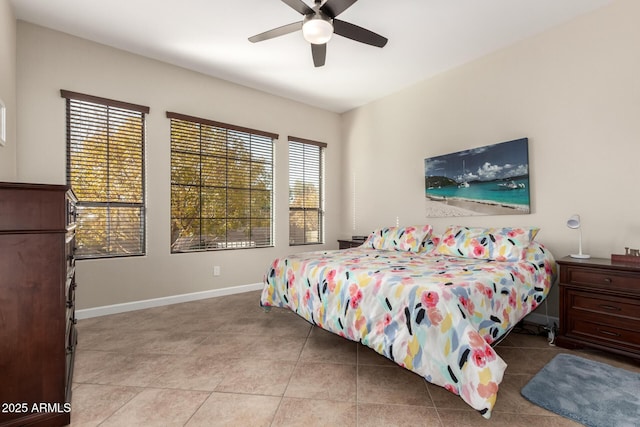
column 432, row 314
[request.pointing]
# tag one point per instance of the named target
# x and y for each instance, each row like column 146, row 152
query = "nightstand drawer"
column 624, row 308
column 601, row 278
column 600, row 332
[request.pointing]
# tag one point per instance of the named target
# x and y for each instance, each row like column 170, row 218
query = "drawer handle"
column 613, row 334
column 610, row 307
column 608, row 280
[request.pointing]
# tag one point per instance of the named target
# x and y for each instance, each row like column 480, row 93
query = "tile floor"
column 225, row 362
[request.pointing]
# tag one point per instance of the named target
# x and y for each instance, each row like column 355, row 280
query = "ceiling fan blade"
column 276, row 32
column 359, row 34
column 319, row 52
column 333, row 8
column 299, row 5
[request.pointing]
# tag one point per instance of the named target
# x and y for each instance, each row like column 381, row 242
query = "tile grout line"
column 292, row 372
column 358, row 347
column 435, row 407
column 198, row 408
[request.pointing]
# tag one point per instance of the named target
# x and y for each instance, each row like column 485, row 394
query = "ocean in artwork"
column 512, row 193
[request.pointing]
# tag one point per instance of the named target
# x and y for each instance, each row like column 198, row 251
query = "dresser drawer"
column 626, row 309
column 70, row 247
column 70, row 288
column 71, row 307
column 70, row 337
column 31, row 208
column 601, row 278
column 605, row 331
column 71, row 212
column 70, row 354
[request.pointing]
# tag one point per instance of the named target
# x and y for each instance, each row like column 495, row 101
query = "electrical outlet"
column 216, row 270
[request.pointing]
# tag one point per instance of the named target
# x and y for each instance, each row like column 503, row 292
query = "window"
column 221, row 185
column 105, row 168
column 306, row 188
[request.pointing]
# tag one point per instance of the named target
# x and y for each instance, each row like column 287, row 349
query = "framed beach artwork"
column 489, row 180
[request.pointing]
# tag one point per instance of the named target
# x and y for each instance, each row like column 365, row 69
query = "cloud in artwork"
column 488, row 171
column 515, row 170
column 434, row 166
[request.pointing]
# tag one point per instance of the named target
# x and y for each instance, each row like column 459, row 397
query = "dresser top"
column 598, row 263
column 27, row 186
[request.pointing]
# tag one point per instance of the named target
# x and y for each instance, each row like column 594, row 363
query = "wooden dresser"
column 37, row 299
column 600, row 305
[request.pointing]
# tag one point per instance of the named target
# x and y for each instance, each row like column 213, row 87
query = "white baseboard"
column 157, row 302
column 539, row 319
column 542, row 319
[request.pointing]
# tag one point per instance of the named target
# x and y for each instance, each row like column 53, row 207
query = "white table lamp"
column 574, row 223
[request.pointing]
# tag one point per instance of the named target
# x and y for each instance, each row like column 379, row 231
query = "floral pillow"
column 408, row 239
column 429, row 244
column 500, row 244
column 377, row 238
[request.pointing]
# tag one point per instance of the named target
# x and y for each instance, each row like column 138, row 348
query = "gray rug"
column 591, row 393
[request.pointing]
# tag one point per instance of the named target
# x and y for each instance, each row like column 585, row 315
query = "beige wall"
column 574, row 91
column 8, row 89
column 49, row 61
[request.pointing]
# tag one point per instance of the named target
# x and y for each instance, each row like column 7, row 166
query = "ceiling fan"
column 319, row 24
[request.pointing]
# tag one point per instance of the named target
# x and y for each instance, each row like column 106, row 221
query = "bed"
column 432, row 304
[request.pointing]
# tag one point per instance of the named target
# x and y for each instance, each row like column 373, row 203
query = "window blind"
column 105, row 168
column 221, row 185
column 306, row 191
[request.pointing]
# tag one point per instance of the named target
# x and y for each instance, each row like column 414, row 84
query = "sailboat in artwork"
column 464, row 183
column 511, row 185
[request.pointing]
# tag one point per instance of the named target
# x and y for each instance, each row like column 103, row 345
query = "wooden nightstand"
column 346, row 244
column 600, row 305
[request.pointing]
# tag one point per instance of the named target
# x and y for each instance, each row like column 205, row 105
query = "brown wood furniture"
column 346, row 244
column 37, row 299
column 600, row 305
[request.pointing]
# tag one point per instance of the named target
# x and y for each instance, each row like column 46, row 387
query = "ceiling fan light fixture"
column 317, row 29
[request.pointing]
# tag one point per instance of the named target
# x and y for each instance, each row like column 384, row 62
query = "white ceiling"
column 426, row 37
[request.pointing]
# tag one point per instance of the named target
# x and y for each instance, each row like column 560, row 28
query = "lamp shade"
column 574, row 223
column 317, row 30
